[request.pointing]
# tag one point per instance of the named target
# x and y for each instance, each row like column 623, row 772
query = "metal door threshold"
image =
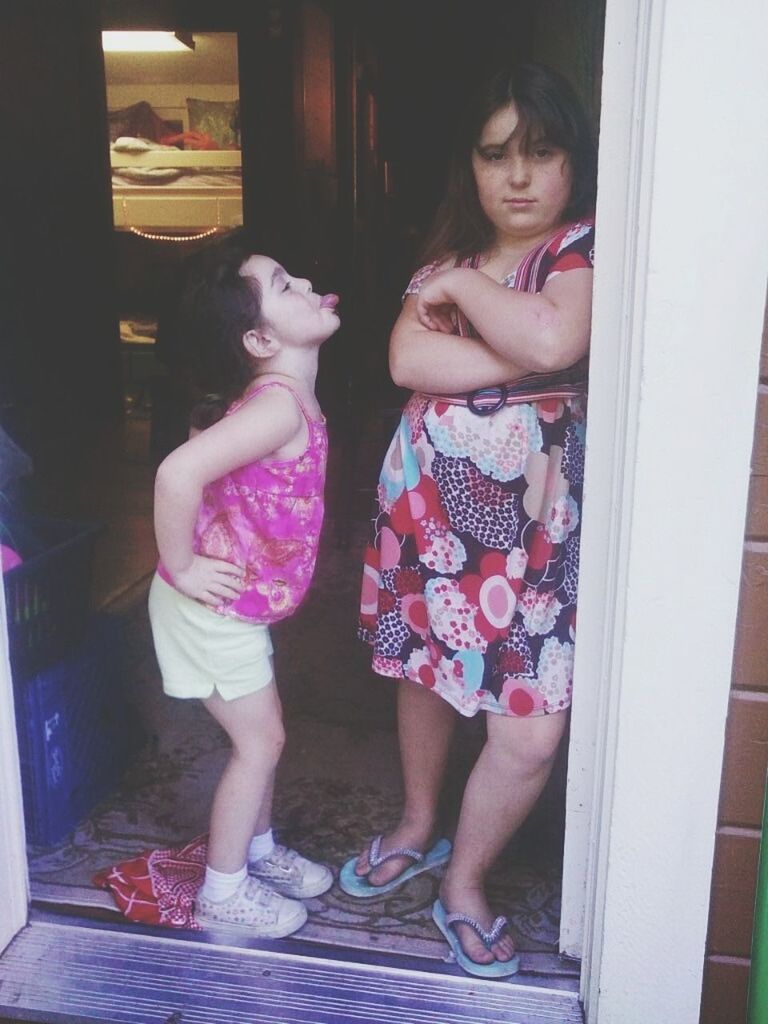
column 73, row 974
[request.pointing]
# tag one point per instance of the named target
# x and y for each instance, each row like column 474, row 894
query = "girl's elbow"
column 398, row 366
column 165, row 470
column 168, row 474
column 547, row 359
column 161, row 475
column 555, row 352
column 398, row 374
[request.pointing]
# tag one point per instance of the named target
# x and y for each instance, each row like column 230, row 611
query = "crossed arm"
column 521, row 333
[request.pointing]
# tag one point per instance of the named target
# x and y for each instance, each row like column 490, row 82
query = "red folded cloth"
column 158, row 886
column 190, row 140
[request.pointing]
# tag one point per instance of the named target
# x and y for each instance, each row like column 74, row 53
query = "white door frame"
column 680, row 285
column 679, row 295
column 629, row 81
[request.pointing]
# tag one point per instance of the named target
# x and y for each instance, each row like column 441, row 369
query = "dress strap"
column 533, row 387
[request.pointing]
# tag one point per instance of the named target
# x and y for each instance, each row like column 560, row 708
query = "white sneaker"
column 290, row 874
column 255, row 907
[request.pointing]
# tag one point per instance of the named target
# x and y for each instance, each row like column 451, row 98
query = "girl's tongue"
column 329, row 301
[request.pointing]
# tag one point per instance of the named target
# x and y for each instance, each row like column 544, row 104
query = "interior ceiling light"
column 147, row 42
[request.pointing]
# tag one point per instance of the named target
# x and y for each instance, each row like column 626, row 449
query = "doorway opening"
column 175, row 160
column 365, row 97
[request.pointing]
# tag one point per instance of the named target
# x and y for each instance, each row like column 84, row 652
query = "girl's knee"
column 272, row 739
column 528, row 750
column 536, row 755
column 277, row 738
column 262, row 743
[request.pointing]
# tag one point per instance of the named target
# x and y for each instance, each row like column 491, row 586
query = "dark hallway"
column 355, row 103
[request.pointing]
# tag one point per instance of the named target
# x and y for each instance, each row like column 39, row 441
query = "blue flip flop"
column 358, row 885
column 496, row 968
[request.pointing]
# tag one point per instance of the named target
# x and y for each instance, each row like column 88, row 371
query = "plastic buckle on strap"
column 492, row 400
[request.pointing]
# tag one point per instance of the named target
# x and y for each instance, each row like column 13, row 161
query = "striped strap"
column 534, row 387
column 375, row 857
column 497, row 929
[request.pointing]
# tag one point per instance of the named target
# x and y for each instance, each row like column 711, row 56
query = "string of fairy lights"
column 153, row 236
column 177, row 237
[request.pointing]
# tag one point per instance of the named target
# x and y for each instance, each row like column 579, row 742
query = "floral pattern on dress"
column 266, row 517
column 470, row 579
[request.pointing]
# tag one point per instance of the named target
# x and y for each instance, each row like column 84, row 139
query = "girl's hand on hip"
column 210, row 580
column 435, row 304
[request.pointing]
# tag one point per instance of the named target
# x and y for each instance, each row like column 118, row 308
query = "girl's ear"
column 260, row 343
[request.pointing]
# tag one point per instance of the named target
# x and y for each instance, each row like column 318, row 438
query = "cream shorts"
column 199, row 651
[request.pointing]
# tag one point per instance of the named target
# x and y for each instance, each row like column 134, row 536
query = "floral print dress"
column 470, row 581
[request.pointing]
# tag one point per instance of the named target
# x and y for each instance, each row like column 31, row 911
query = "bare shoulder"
column 274, row 395
column 280, row 412
column 260, row 428
column 300, row 400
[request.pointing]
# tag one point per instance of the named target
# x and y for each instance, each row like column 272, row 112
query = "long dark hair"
column 218, row 305
column 549, row 110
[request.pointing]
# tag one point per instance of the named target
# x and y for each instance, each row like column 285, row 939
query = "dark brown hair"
column 550, row 111
column 218, row 306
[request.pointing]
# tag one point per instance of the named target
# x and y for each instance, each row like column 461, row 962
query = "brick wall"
column 726, row 971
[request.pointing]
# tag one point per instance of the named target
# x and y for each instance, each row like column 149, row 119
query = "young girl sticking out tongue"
column 238, row 510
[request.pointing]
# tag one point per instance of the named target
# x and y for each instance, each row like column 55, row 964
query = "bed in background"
column 158, row 186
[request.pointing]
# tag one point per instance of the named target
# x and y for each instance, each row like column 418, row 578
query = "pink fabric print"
column 266, row 517
column 471, row 575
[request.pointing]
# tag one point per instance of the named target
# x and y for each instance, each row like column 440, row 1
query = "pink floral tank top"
column 266, row 517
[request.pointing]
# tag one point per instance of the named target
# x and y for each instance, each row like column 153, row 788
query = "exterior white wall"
column 698, row 255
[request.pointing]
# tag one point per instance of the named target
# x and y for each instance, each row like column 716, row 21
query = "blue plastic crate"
column 48, row 596
column 76, row 732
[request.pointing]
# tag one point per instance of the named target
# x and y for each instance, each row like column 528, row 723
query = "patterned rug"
column 338, row 782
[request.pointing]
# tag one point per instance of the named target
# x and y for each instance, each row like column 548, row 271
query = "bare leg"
column 425, row 725
column 255, row 726
column 505, row 783
column 264, row 818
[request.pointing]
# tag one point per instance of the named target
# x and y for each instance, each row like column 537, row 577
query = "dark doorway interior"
column 347, row 110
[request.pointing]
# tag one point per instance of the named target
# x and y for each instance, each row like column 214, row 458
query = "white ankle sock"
column 220, row 885
column 261, row 846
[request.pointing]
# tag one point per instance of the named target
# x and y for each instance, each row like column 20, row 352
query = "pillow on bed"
column 218, row 119
column 140, row 119
column 149, row 175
